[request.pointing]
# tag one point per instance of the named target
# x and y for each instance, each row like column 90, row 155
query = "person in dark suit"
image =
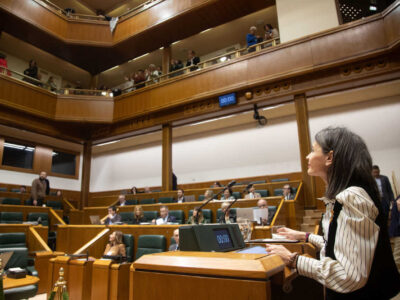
column 288, row 192
column 164, row 217
column 180, row 196
column 385, row 189
column 112, row 217
column 175, row 247
column 174, row 182
column 227, row 216
column 192, row 60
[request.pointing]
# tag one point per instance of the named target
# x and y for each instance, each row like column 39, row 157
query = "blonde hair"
column 118, row 238
column 138, row 207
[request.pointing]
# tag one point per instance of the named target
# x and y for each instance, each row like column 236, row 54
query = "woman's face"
column 194, row 212
column 112, row 237
column 227, row 194
column 138, row 211
column 318, row 162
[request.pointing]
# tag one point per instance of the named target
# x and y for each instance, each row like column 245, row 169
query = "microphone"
column 230, row 184
column 247, row 187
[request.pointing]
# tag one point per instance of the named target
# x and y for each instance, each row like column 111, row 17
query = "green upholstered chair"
column 207, row 213
column 20, row 259
column 279, row 179
column 237, row 195
column 148, row 244
column 165, row 200
column 258, row 182
column 24, row 292
column 179, row 215
column 13, row 240
column 126, row 217
column 150, row 215
column 263, row 193
column 3, row 189
column 219, row 212
column 11, row 201
column 54, row 204
column 278, row 192
column 201, row 198
column 34, row 217
column 147, row 201
column 128, row 240
column 11, row 217
column 131, row 202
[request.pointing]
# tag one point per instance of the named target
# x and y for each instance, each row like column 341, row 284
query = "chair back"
column 126, row 217
column 279, row 179
column 165, row 200
column 147, row 201
column 179, row 215
column 150, row 215
column 34, row 217
column 19, row 257
column 237, row 195
column 11, row 201
column 11, row 217
column 271, row 213
column 263, row 193
column 278, row 192
column 12, row 240
column 128, row 240
column 148, row 244
column 54, row 204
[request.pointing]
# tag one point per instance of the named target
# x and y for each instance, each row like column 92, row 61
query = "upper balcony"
column 358, row 53
column 90, row 45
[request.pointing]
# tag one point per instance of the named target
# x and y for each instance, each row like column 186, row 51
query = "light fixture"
column 104, row 93
column 174, row 43
column 205, row 30
column 373, row 8
column 139, row 57
column 111, row 68
column 223, row 58
column 108, row 143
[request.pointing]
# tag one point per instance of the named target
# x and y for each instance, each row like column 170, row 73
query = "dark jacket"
column 138, row 221
column 170, row 219
column 115, row 219
column 387, row 194
column 232, row 218
column 394, row 229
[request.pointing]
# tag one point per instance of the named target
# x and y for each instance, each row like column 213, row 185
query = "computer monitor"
column 210, row 237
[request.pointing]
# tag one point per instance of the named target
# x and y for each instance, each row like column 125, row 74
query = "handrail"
column 29, row 79
column 55, row 215
column 277, row 212
column 39, row 238
column 298, row 191
column 92, row 241
column 69, row 204
column 200, row 65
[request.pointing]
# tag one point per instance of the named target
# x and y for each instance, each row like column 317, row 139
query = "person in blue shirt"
column 252, row 39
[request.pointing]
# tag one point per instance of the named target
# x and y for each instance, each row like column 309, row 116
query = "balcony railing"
column 83, row 17
column 202, row 65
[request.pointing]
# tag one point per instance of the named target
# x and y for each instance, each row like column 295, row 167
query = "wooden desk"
column 11, row 283
column 204, row 275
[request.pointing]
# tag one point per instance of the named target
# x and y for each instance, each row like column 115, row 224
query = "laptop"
column 245, row 213
column 95, row 220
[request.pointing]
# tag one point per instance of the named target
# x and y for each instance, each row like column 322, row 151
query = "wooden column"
column 87, row 158
column 166, row 58
column 167, row 157
column 94, row 82
column 303, row 129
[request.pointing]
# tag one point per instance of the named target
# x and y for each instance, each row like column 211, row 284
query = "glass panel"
column 18, row 155
column 63, row 163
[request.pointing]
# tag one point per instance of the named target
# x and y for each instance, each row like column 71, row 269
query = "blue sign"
column 228, row 99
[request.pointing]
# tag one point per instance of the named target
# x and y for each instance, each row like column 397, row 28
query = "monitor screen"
column 223, row 237
column 227, row 99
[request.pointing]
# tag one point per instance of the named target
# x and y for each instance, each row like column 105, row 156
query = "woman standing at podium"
column 356, row 259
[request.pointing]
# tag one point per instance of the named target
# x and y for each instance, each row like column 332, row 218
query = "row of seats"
column 127, row 217
column 8, row 217
column 16, row 201
column 237, row 195
column 16, row 243
column 13, row 190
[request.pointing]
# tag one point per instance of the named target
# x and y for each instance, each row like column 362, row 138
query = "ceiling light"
column 111, row 68
column 222, row 59
column 373, row 8
column 108, row 143
column 139, row 57
column 205, row 30
column 174, row 43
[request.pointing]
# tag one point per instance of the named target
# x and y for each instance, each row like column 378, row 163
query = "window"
column 63, row 163
column 18, row 155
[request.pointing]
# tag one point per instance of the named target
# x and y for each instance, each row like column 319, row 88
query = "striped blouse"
column 355, row 243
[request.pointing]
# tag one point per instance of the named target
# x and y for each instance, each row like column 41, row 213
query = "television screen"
column 227, row 99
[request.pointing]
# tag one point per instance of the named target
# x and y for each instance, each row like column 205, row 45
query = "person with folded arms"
column 115, row 246
column 356, row 260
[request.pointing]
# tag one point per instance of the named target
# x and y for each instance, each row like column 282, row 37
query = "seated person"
column 22, row 189
column 262, row 203
column 175, row 247
column 122, row 200
column 138, row 216
column 288, row 192
column 112, row 217
column 208, row 194
column 115, row 246
column 164, row 217
column 227, row 217
column 180, row 196
column 216, row 184
column 200, row 220
column 252, row 194
column 133, row 190
column 227, row 194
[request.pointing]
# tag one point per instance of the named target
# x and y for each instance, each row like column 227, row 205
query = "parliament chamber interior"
column 151, row 149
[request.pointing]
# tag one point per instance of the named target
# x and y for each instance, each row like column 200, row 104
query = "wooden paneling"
column 77, row 41
column 167, row 157
column 31, row 240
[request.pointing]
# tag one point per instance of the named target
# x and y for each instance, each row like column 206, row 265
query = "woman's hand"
column 292, row 234
column 281, row 251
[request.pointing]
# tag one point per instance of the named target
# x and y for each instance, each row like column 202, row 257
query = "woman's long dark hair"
column 351, row 163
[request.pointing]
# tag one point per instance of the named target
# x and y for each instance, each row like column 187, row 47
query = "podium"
column 205, row 275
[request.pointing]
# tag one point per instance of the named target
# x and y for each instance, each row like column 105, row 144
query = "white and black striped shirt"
column 355, row 243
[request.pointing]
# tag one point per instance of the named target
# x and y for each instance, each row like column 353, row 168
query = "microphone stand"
column 196, row 218
column 234, row 201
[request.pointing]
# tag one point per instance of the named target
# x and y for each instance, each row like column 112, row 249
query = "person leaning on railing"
column 32, row 72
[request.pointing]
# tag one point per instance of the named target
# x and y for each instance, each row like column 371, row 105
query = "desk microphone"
column 230, row 184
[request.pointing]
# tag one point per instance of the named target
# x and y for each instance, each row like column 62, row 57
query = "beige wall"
column 298, row 18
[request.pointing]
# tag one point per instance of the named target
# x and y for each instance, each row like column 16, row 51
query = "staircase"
column 310, row 219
